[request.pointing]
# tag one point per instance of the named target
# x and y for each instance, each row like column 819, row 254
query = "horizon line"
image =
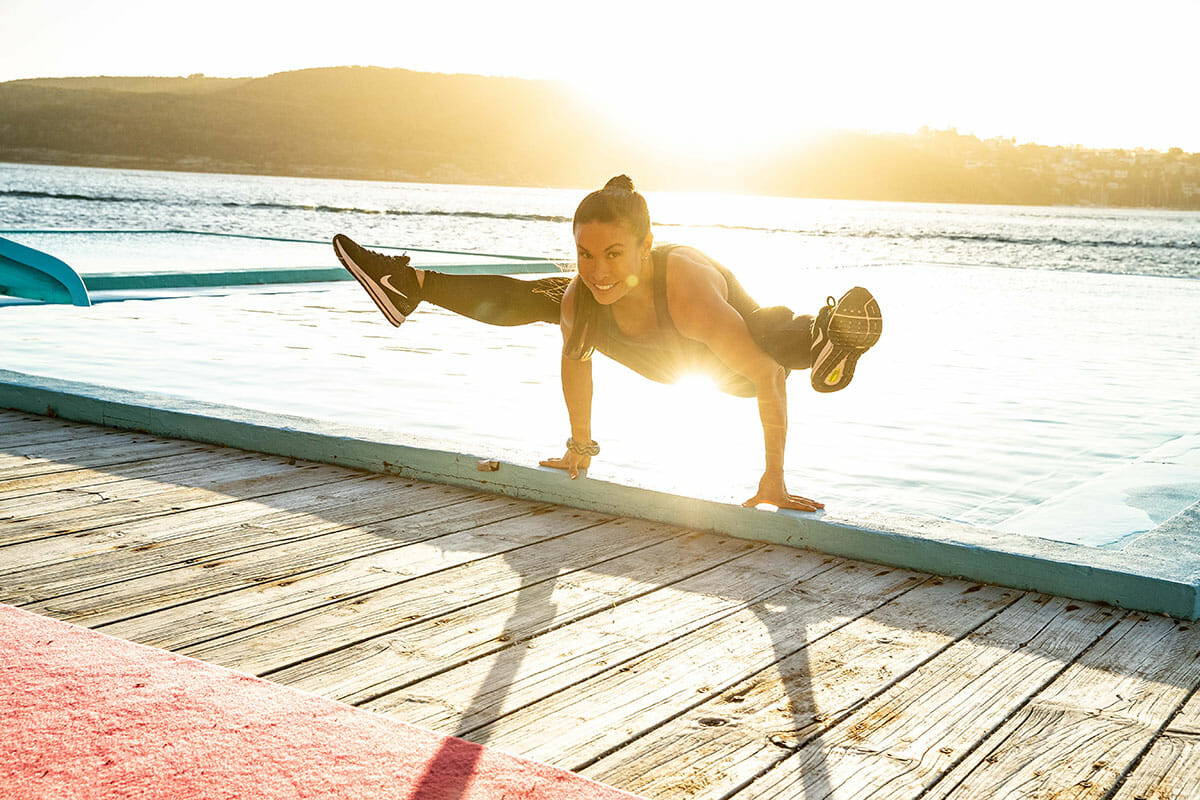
column 816, row 130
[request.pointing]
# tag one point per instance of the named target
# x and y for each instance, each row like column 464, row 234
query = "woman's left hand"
column 571, row 462
column 772, row 490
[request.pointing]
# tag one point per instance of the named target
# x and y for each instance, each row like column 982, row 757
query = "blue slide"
column 29, row 273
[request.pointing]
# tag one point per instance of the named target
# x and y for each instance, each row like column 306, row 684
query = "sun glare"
column 701, row 442
column 694, row 117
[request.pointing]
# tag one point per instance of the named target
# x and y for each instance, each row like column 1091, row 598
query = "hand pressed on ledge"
column 571, row 462
column 772, row 490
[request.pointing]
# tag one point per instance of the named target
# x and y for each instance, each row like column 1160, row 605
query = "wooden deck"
column 670, row 663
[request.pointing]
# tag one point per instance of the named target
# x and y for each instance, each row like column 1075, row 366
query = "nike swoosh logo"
column 387, row 284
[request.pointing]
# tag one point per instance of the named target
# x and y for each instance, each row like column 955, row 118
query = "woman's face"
column 610, row 258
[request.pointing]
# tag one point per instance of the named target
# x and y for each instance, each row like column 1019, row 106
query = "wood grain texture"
column 261, row 573
column 585, row 722
column 274, row 611
column 482, row 690
column 672, row 663
column 93, row 481
column 417, row 629
column 1171, row 770
column 905, row 739
column 1080, row 734
column 49, row 567
column 90, row 451
column 726, row 742
column 126, row 501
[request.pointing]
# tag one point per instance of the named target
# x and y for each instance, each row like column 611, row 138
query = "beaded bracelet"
column 583, row 449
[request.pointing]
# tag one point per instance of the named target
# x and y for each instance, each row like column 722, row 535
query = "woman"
column 662, row 311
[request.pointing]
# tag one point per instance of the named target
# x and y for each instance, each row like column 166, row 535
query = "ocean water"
column 1038, row 371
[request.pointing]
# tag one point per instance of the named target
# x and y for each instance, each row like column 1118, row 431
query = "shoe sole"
column 382, row 301
column 834, row 367
column 854, row 326
column 857, row 321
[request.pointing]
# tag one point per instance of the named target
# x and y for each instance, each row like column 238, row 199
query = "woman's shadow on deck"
column 449, row 774
column 784, row 613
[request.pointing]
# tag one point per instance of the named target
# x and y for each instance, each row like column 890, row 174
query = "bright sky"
column 1092, row 72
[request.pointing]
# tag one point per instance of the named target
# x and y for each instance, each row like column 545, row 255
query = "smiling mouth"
column 604, row 287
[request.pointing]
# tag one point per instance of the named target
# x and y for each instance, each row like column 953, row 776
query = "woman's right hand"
column 571, row 462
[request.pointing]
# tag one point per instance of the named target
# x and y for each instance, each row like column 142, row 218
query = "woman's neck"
column 635, row 313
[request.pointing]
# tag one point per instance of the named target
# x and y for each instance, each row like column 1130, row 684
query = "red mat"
column 84, row 715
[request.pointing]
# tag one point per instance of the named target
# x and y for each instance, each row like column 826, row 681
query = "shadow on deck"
column 663, row 661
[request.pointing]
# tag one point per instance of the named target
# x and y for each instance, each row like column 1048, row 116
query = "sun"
column 692, row 116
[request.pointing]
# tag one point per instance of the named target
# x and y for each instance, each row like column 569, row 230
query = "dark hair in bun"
column 618, row 201
column 623, row 182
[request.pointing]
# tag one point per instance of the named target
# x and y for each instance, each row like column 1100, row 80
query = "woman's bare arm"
column 696, row 295
column 577, row 392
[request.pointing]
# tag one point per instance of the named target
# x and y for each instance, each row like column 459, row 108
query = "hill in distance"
column 193, row 84
column 351, row 122
column 394, row 124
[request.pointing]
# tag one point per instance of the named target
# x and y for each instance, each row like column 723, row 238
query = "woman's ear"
column 647, row 245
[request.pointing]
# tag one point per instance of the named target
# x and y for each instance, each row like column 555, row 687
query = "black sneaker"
column 390, row 281
column 841, row 333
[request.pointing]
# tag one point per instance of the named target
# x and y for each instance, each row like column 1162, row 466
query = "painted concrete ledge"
column 1161, row 574
column 135, row 281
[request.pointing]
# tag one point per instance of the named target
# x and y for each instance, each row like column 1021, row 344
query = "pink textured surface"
column 84, row 715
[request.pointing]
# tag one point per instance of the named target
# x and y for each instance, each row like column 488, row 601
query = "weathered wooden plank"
column 1171, row 770
column 486, row 688
column 13, row 426
column 29, row 545
column 21, row 436
column 526, row 593
column 281, row 565
column 1080, row 734
column 227, row 481
column 579, row 725
column 1188, row 718
column 20, row 421
column 724, row 743
column 274, row 605
column 11, row 415
column 98, row 451
column 50, row 567
column 904, row 740
column 20, row 448
column 85, row 480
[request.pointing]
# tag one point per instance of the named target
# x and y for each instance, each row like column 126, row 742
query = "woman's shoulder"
column 688, row 270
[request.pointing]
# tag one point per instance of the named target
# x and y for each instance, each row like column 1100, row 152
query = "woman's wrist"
column 773, row 473
column 586, row 447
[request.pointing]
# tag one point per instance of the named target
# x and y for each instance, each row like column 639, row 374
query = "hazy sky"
column 1097, row 73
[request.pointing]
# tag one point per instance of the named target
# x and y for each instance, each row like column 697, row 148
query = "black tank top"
column 664, row 355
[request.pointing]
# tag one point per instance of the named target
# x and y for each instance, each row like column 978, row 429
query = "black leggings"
column 501, row 300
column 497, row 299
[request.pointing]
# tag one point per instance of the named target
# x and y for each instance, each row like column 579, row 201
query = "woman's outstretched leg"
column 496, row 299
column 397, row 288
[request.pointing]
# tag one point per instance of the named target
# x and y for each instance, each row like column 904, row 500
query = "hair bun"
column 623, row 182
